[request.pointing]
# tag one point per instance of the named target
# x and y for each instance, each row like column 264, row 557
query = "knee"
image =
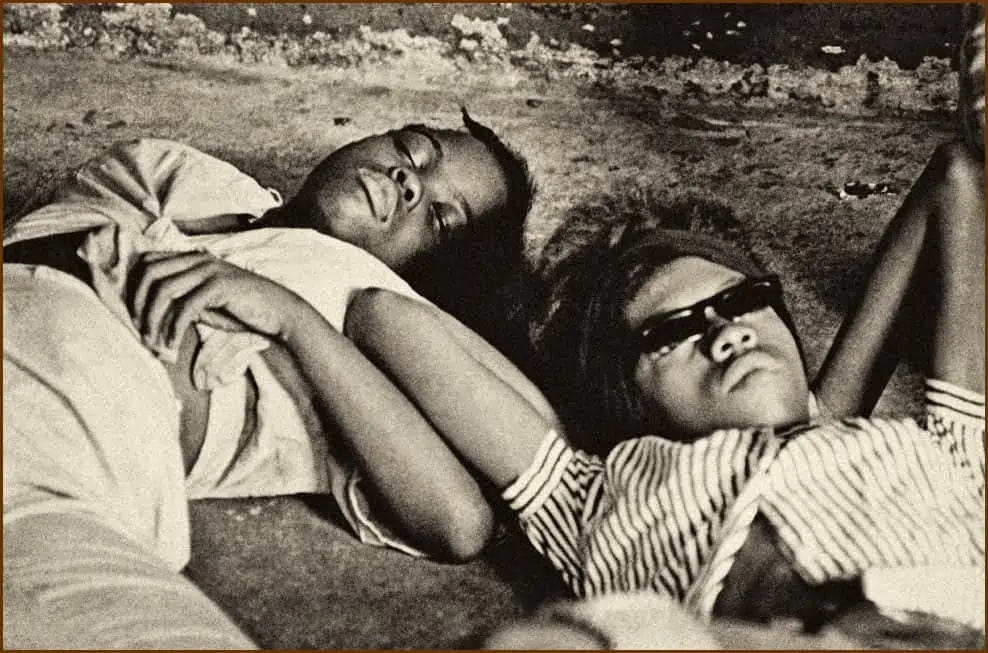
column 958, row 185
column 468, row 537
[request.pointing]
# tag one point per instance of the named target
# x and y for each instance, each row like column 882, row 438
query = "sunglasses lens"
column 747, row 297
column 662, row 334
column 667, row 333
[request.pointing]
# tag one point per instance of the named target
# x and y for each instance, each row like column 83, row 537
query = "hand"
column 173, row 290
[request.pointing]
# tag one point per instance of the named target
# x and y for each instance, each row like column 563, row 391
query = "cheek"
column 340, row 217
column 399, row 247
column 780, row 340
column 673, row 388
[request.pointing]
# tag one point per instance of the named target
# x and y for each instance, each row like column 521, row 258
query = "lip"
column 743, row 367
column 382, row 194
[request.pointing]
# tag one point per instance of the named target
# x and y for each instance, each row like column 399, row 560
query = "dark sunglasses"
column 662, row 333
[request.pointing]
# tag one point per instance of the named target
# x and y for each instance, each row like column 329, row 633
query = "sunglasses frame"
column 769, row 287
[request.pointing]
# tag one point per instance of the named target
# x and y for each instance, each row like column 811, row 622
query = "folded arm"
column 478, row 401
column 435, row 502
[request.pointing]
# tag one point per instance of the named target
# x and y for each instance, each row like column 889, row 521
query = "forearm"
column 437, row 504
column 925, row 264
column 866, row 349
column 959, row 331
column 491, row 424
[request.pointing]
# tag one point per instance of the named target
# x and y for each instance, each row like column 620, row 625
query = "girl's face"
column 407, row 192
column 702, row 366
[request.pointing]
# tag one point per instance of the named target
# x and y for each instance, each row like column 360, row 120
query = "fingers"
column 173, row 291
column 166, row 282
column 195, row 306
column 152, row 269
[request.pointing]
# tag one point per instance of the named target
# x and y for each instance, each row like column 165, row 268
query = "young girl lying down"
column 740, row 497
column 248, row 421
column 713, row 474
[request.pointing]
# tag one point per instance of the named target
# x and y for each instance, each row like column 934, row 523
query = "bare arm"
column 436, row 503
column 927, row 256
column 477, row 400
column 498, row 364
column 958, row 354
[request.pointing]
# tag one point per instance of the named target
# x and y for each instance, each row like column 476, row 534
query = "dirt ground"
column 283, row 568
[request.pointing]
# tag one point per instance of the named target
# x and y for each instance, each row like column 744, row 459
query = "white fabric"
column 71, row 582
column 956, row 593
column 90, row 423
column 137, row 182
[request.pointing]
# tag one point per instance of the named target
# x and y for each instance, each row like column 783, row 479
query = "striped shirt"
column 844, row 496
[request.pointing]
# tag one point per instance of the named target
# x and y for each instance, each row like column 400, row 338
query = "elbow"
column 466, row 534
column 366, row 313
column 360, row 312
column 960, row 167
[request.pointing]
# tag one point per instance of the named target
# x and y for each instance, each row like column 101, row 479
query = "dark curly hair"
column 601, row 257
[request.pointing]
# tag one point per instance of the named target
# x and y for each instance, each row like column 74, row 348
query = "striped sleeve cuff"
column 531, row 489
column 967, row 404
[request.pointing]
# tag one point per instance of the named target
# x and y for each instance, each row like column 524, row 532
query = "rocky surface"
column 479, row 50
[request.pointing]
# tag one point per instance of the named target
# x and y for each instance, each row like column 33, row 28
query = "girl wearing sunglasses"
column 702, row 467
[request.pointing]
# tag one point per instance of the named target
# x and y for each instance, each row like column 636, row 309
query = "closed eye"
column 440, row 224
column 419, row 149
column 403, row 150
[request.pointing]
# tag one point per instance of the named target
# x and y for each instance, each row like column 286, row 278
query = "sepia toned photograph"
column 506, row 326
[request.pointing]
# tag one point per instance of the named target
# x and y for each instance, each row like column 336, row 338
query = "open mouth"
column 382, row 193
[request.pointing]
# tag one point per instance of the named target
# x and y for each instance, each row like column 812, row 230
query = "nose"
column 409, row 186
column 730, row 339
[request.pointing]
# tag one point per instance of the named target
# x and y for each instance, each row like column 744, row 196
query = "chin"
column 769, row 399
column 778, row 411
